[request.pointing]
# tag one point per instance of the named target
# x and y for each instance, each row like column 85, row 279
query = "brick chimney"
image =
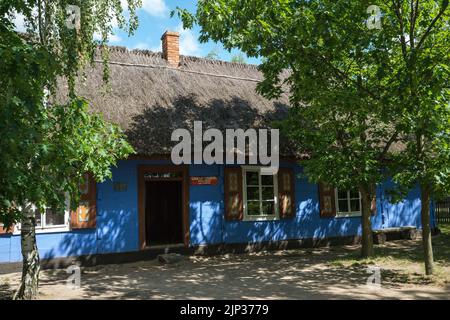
column 171, row 47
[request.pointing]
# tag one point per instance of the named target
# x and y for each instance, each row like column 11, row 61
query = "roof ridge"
column 127, row 64
column 147, row 52
column 221, row 62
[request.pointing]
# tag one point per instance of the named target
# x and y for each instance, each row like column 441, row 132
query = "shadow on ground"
column 322, row 273
column 297, row 274
column 6, row 292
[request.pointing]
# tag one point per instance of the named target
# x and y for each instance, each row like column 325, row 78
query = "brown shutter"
column 373, row 206
column 4, row 230
column 234, row 209
column 85, row 215
column 286, row 192
column 327, row 201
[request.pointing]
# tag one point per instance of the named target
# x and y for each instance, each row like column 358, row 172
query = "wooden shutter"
column 327, row 201
column 234, row 209
column 4, row 230
column 85, row 214
column 286, row 192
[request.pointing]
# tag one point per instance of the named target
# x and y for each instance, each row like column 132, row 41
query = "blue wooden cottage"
column 149, row 202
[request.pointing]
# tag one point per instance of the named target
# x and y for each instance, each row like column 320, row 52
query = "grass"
column 402, row 261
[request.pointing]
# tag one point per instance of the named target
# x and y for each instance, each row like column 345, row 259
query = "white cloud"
column 112, row 38
column 155, row 8
column 146, row 46
column 141, row 45
column 156, row 48
column 188, row 42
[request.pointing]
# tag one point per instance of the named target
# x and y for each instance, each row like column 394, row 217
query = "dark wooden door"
column 163, row 212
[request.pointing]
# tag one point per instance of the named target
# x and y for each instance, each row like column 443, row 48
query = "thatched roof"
column 149, row 99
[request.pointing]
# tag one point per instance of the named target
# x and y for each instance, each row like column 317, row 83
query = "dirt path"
column 295, row 274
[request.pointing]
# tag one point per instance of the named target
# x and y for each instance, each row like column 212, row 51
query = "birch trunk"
column 28, row 288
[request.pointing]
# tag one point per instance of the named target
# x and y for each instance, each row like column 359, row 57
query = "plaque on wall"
column 204, row 181
column 120, row 186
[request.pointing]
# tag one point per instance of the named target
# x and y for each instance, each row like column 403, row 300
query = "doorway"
column 163, row 212
column 163, row 205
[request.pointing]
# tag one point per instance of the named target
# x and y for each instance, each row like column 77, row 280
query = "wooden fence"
column 443, row 211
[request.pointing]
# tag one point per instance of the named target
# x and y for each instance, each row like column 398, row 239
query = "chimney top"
column 171, row 47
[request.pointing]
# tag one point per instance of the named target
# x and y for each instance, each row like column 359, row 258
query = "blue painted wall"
column 208, row 224
column 117, row 218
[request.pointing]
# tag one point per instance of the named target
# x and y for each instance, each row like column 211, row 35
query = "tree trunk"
column 367, row 238
column 30, row 265
column 426, row 232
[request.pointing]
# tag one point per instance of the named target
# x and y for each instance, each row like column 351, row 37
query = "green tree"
column 47, row 146
column 348, row 68
column 238, row 58
column 423, row 87
column 213, row 55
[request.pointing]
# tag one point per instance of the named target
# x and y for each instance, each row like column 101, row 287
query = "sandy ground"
column 294, row 274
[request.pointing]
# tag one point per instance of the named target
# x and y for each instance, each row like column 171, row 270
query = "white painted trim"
column 247, row 217
column 348, row 214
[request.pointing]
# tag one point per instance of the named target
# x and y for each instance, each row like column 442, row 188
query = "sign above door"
column 202, row 181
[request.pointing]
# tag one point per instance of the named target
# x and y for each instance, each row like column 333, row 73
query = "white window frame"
column 248, row 217
column 343, row 214
column 52, row 228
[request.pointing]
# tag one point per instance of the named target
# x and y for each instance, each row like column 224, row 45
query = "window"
column 260, row 195
column 348, row 203
column 50, row 220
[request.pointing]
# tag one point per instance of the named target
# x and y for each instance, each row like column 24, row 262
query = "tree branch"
column 430, row 27
column 344, row 76
column 388, row 145
column 398, row 13
column 413, row 18
column 41, row 35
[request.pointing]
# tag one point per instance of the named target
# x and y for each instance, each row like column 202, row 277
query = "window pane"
column 354, row 205
column 342, row 194
column 252, row 178
column 253, row 208
column 38, row 217
column 343, row 205
column 53, row 218
column 267, row 180
column 354, row 194
column 267, row 193
column 268, row 208
column 252, row 193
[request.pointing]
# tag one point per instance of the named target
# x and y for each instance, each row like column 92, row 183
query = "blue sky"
column 154, row 19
